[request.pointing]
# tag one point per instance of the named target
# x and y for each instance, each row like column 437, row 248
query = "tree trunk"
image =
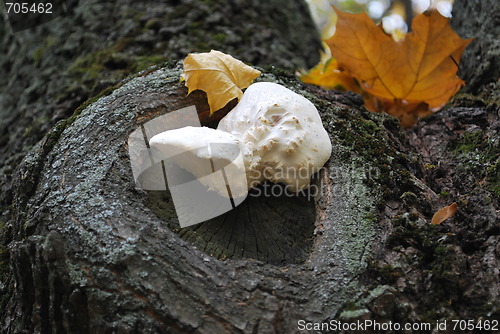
column 86, row 250
column 480, row 66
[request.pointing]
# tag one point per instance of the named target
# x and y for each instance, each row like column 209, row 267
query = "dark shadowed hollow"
column 272, row 224
column 273, row 229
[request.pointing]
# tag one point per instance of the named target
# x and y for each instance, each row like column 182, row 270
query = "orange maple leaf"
column 406, row 78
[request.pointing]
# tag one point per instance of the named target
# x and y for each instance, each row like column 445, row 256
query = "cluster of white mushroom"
column 278, row 134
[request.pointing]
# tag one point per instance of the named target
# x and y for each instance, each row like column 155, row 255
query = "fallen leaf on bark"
column 444, row 213
column 219, row 75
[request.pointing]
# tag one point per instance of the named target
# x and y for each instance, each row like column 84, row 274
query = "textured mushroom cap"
column 281, row 134
column 204, row 152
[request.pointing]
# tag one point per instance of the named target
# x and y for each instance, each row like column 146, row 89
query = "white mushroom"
column 212, row 156
column 279, row 134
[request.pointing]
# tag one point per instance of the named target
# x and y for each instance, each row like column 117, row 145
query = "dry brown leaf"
column 219, row 75
column 418, row 70
column 444, row 213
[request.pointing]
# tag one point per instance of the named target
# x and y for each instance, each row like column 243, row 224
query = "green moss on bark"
column 479, row 155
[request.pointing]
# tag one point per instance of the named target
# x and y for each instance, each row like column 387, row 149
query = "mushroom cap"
column 281, row 134
column 213, row 157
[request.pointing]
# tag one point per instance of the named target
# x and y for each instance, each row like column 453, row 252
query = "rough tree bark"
column 85, row 250
column 480, row 68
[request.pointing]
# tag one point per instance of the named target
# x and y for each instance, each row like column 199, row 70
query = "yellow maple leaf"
column 219, row 75
column 415, row 71
column 327, row 75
